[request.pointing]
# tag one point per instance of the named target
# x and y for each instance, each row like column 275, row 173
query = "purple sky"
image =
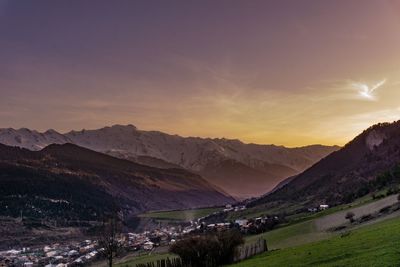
column 261, row 71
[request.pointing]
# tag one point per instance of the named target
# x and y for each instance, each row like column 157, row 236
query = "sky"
column 285, row 72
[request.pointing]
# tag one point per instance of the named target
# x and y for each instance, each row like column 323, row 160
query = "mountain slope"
column 230, row 164
column 73, row 182
column 366, row 164
column 244, row 179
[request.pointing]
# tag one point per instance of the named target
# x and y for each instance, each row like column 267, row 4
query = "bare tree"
column 108, row 239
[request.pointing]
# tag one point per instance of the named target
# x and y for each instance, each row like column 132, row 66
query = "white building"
column 323, row 207
column 148, row 245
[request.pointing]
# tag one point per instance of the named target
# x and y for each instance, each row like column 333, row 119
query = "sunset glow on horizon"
column 288, row 73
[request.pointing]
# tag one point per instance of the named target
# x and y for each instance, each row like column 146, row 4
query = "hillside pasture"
column 292, row 235
column 338, row 218
column 373, row 245
column 144, row 259
column 181, row 215
column 317, row 226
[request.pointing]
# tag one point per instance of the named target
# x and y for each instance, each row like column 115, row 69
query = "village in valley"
column 88, row 252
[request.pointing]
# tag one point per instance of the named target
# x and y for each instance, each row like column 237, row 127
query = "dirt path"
column 338, row 218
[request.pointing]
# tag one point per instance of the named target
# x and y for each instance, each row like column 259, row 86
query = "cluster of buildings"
column 150, row 239
column 88, row 251
column 234, row 208
column 55, row 255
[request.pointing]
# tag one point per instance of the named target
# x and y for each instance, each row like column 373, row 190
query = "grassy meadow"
column 292, row 235
column 144, row 259
column 180, row 215
column 372, row 245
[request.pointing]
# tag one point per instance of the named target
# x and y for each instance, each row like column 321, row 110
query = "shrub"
column 385, row 209
column 344, row 234
column 366, row 217
column 208, row 250
column 392, row 190
column 350, row 216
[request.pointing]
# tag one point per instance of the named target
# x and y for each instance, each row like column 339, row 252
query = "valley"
column 74, row 190
column 70, row 186
column 199, row 133
column 301, row 243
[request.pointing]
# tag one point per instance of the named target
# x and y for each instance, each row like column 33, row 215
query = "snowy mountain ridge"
column 200, row 155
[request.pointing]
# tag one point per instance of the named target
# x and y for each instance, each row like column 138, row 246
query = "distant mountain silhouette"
column 242, row 170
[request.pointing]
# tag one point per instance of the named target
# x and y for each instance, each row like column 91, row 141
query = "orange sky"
column 280, row 72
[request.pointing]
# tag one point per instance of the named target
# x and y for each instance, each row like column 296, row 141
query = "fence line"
column 247, row 251
column 174, row 262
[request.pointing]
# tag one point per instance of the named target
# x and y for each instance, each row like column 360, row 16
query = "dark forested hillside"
column 74, row 183
column 366, row 164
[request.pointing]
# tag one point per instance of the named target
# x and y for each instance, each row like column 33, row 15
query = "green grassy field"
column 292, row 235
column 314, row 227
column 144, row 259
column 180, row 215
column 373, row 245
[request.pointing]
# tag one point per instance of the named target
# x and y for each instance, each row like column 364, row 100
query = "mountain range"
column 75, row 182
column 242, row 170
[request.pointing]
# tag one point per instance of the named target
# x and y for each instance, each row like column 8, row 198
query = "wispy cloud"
column 367, row 92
